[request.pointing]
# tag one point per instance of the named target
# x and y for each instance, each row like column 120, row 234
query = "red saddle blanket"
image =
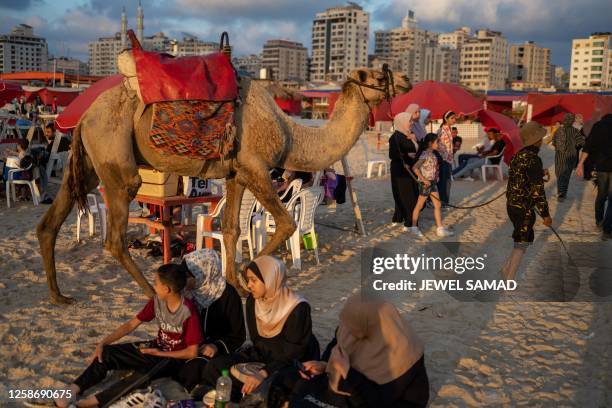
column 161, row 77
column 194, row 129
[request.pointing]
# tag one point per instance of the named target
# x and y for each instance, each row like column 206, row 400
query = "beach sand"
column 510, row 353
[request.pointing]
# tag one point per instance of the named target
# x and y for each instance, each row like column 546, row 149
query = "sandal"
column 155, row 399
column 136, row 399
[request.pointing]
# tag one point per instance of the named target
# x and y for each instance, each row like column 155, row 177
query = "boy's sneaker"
column 443, row 232
column 416, row 231
column 468, row 178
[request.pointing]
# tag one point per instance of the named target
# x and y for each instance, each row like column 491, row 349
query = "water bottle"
column 223, row 390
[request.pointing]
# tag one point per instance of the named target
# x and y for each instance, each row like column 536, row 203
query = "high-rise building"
column 591, row 67
column 484, row 61
column 339, row 42
column 250, row 64
column 400, row 43
column 70, row 66
column 529, row 66
column 439, row 64
column 191, row 46
column 285, row 60
column 103, row 55
column 431, row 62
column 103, row 52
column 21, row 50
column 455, row 39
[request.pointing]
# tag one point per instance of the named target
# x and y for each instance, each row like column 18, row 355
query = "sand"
column 510, row 353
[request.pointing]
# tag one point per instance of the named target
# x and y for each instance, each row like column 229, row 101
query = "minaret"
column 123, row 29
column 139, row 23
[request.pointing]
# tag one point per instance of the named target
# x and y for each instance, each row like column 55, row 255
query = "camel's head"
column 378, row 85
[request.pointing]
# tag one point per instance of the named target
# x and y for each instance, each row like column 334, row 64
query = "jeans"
column 471, row 165
column 603, row 213
column 444, row 182
column 462, row 160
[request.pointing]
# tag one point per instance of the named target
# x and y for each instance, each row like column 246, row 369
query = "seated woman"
column 280, row 328
column 220, row 310
column 375, row 360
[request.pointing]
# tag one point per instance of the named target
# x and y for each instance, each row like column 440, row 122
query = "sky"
column 68, row 25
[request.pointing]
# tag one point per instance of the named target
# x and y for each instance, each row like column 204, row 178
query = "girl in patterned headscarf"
column 220, row 310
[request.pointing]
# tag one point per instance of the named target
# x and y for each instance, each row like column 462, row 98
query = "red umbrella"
column 508, row 128
column 438, row 97
column 70, row 116
column 9, row 91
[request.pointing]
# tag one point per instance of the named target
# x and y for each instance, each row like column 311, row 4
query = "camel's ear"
column 363, row 75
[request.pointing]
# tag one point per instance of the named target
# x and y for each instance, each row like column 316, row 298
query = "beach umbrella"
column 438, row 97
column 507, row 127
column 9, row 91
column 70, row 116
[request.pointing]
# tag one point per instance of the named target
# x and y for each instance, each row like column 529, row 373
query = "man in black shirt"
column 598, row 148
column 475, row 163
column 525, row 195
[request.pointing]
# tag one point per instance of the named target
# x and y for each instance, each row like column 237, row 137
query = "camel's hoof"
column 62, row 300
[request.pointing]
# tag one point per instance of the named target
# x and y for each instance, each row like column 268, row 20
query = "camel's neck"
column 316, row 148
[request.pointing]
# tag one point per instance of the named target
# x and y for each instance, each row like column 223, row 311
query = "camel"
column 110, row 141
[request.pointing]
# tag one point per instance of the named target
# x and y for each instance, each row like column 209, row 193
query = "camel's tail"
column 76, row 178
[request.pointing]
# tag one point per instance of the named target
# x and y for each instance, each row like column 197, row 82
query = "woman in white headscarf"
column 375, row 360
column 220, row 310
column 280, row 327
column 403, row 147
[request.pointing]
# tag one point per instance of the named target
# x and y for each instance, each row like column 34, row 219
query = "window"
column 595, row 75
column 596, row 68
column 597, row 52
column 597, row 60
column 598, row 44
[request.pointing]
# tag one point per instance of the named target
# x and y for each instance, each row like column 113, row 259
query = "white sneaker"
column 469, row 178
column 416, row 231
column 443, row 232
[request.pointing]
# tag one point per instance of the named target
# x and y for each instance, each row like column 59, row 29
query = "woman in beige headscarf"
column 376, row 358
column 280, row 328
column 403, row 147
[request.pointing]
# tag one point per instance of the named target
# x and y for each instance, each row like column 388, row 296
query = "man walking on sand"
column 598, row 149
column 525, row 195
column 567, row 141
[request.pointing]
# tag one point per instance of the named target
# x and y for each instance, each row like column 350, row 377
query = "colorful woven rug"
column 194, row 129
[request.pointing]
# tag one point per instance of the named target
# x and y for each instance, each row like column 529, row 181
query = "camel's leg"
column 258, row 181
column 50, row 224
column 230, row 227
column 118, row 198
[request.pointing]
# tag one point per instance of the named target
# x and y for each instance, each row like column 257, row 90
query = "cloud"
column 18, row 4
column 251, row 22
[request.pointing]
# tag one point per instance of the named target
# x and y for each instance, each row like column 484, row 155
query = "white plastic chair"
column 303, row 206
column 293, row 187
column 11, row 183
column 95, row 208
column 57, row 161
column 247, row 206
column 489, row 165
column 381, row 165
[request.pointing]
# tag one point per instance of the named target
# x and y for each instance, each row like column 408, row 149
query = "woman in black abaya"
column 403, row 147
